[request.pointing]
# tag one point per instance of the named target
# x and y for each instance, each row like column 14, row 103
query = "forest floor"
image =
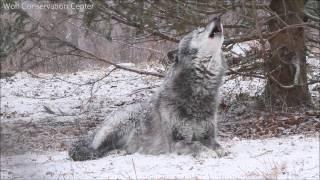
column 41, row 115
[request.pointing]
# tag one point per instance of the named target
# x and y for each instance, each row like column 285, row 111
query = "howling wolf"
column 181, row 117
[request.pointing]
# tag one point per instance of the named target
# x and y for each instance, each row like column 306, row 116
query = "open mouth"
column 215, row 30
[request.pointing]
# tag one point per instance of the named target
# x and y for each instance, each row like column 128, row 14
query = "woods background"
column 64, row 69
column 279, row 36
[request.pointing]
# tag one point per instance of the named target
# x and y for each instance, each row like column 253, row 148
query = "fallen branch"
column 94, row 57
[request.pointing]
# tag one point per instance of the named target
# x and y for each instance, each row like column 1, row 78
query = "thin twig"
column 134, row 168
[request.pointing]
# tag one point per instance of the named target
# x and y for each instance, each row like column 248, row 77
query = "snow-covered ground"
column 23, row 98
column 295, row 157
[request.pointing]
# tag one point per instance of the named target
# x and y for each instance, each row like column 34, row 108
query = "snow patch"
column 295, row 157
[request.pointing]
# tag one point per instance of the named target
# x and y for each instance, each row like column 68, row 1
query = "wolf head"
column 201, row 44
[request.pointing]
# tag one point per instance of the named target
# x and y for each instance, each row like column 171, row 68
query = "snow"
column 295, row 157
column 241, row 49
column 23, row 98
column 243, row 85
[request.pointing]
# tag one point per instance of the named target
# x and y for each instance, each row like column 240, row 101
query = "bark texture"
column 286, row 68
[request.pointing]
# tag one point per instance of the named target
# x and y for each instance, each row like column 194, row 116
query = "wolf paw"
column 206, row 154
column 210, row 153
column 119, row 152
column 221, row 152
column 81, row 151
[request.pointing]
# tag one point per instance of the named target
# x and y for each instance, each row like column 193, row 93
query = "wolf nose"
column 217, row 24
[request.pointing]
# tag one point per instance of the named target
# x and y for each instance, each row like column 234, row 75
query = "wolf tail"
column 112, row 134
column 87, row 148
column 81, row 150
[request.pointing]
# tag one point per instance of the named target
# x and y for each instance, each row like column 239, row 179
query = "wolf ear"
column 173, row 56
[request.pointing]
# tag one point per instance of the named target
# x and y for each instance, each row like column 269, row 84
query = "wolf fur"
column 181, row 117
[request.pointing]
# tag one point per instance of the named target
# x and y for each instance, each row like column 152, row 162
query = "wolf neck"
column 197, row 75
column 208, row 64
column 215, row 60
column 193, row 86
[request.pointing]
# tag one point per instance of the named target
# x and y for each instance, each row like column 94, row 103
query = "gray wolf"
column 181, row 117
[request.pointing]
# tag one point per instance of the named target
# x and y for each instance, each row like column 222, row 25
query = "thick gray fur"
column 181, row 117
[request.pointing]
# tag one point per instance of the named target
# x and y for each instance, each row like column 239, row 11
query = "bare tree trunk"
column 286, row 68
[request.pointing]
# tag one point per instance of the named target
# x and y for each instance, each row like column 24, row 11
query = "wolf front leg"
column 212, row 140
